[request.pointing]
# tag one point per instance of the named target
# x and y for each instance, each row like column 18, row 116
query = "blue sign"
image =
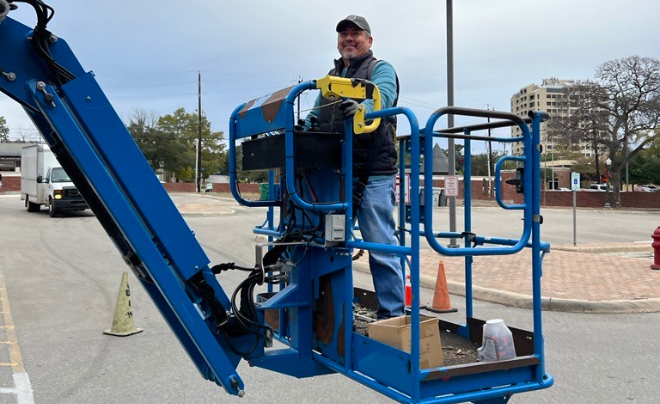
column 575, row 181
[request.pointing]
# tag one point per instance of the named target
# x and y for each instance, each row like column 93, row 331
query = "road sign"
column 575, row 186
column 451, row 185
column 575, row 181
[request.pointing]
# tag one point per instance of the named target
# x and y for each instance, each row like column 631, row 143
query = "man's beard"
column 349, row 55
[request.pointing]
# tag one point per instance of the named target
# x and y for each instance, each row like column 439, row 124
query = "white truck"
column 44, row 182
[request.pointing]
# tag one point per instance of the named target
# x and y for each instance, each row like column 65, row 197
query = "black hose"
column 41, row 38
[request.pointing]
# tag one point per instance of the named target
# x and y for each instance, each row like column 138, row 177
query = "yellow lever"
column 334, row 88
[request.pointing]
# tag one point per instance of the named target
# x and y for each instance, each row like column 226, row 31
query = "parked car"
column 647, row 188
column 600, row 187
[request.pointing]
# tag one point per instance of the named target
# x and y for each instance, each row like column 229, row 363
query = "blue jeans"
column 376, row 221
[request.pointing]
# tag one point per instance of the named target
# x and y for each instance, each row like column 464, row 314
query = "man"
column 374, row 156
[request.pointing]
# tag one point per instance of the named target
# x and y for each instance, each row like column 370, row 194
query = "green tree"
column 161, row 149
column 184, row 127
column 4, row 130
column 480, row 163
column 644, row 168
column 242, row 175
column 170, row 142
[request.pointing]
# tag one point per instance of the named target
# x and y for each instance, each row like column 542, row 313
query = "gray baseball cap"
column 356, row 20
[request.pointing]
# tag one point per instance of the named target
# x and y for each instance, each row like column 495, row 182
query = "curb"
column 596, row 249
column 219, row 211
column 228, row 212
column 557, row 304
column 547, row 303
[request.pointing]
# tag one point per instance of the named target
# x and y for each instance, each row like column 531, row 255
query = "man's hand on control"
column 348, row 108
column 300, row 126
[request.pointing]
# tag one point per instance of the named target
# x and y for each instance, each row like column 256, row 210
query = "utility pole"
column 198, row 161
column 450, row 118
column 626, row 157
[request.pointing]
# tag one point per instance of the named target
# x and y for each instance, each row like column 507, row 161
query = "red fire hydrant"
column 656, row 248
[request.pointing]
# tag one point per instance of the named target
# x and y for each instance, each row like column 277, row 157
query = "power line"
column 161, row 84
column 419, row 103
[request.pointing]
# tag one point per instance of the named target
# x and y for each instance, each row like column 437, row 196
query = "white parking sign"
column 451, row 185
column 406, row 188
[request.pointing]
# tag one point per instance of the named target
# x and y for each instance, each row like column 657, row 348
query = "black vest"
column 373, row 153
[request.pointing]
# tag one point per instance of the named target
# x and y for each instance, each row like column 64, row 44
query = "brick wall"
column 13, row 184
column 481, row 191
column 244, row 188
column 224, row 187
column 179, row 186
column 10, row 184
column 585, row 199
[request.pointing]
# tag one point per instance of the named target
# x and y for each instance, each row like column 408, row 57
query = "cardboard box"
column 395, row 332
column 271, row 316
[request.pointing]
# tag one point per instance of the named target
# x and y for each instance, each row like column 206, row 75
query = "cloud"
column 147, row 54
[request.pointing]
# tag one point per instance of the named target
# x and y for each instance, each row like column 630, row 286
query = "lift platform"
column 319, row 310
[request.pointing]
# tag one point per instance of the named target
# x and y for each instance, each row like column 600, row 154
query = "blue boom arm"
column 66, row 104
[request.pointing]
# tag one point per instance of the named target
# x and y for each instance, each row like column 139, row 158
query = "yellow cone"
column 122, row 323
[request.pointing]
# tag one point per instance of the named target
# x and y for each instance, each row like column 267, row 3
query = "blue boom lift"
column 307, row 261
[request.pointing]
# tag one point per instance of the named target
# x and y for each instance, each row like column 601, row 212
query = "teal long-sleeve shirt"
column 383, row 76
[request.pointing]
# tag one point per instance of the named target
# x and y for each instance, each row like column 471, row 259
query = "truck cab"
column 59, row 193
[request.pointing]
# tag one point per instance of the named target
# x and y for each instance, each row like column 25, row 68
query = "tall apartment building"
column 551, row 97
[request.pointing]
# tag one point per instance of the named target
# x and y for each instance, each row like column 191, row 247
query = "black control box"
column 310, row 150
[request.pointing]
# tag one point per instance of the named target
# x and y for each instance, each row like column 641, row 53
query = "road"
column 62, row 276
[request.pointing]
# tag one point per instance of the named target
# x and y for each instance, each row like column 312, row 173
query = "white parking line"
column 23, row 389
column 22, row 386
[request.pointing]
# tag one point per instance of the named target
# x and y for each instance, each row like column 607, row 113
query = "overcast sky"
column 146, row 53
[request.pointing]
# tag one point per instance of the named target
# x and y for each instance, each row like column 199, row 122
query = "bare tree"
column 617, row 113
column 630, row 96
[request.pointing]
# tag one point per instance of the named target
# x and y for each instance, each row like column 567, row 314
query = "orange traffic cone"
column 408, row 295
column 441, row 303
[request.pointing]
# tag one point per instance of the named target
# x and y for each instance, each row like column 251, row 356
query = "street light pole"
column 545, row 173
column 608, row 162
column 552, row 140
